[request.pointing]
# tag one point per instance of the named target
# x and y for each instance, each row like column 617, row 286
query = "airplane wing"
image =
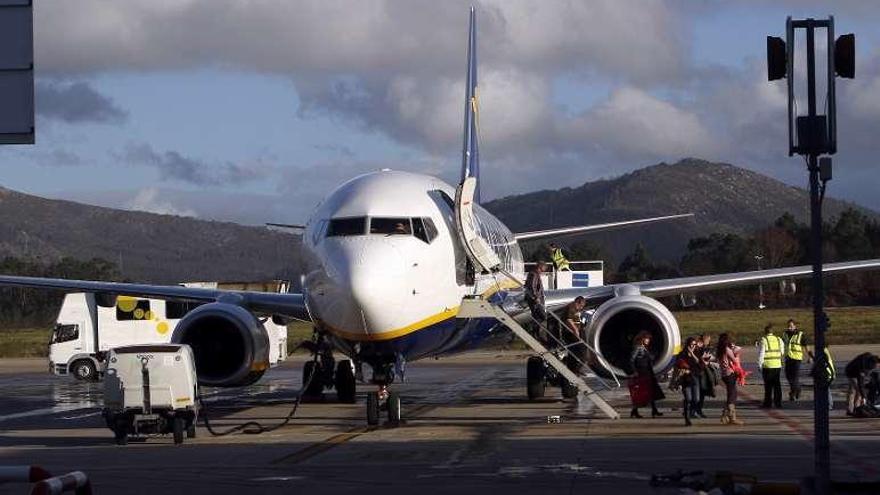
column 673, row 286
column 289, row 304
column 581, row 229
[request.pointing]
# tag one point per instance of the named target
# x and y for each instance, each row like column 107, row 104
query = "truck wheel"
column 177, row 428
column 84, row 370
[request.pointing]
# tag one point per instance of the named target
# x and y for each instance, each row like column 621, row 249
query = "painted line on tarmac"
column 807, row 435
column 45, row 411
column 465, row 389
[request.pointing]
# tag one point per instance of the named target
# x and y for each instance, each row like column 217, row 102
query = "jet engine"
column 615, row 324
column 229, row 343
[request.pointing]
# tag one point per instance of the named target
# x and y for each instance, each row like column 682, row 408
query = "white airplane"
column 390, row 256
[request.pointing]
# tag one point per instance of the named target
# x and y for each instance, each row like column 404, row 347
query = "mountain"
column 723, row 197
column 146, row 247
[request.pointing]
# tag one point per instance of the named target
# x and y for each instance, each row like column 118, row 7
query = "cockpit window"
column 390, row 226
column 347, row 226
column 424, row 229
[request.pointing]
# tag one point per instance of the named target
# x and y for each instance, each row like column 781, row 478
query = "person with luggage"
column 770, row 351
column 732, row 373
column 856, row 371
column 708, row 372
column 644, row 387
column 687, row 376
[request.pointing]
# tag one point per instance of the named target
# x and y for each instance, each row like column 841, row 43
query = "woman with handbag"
column 731, row 374
column 643, row 386
column 687, row 365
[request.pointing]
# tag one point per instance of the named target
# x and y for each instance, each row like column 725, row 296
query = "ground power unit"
column 151, row 390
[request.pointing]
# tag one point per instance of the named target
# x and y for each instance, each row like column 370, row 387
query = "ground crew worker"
column 534, row 295
column 856, row 370
column 560, row 262
column 825, row 374
column 770, row 351
column 795, row 347
column 571, row 334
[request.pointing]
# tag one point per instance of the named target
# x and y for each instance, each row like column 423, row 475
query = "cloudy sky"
column 252, row 111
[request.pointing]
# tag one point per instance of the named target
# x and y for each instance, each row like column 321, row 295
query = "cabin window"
column 64, row 333
column 424, row 229
column 131, row 309
column 175, row 310
column 340, row 227
column 391, row 226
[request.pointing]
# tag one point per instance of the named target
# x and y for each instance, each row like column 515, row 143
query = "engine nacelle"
column 615, row 324
column 229, row 343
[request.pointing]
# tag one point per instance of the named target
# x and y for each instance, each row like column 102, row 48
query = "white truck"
column 88, row 326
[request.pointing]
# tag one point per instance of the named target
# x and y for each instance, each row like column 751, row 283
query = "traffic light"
column 777, row 61
column 845, row 56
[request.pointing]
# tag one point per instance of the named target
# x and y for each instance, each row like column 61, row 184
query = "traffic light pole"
column 822, row 450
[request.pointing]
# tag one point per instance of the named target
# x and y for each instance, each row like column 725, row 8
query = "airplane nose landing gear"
column 383, row 399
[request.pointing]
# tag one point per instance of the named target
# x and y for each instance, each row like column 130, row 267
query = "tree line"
column 25, row 308
column 850, row 236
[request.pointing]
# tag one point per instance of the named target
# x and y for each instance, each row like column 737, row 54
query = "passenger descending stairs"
column 477, row 307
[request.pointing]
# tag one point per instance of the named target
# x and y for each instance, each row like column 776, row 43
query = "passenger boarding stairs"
column 477, row 307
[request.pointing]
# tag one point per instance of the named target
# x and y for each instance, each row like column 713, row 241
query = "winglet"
column 470, row 160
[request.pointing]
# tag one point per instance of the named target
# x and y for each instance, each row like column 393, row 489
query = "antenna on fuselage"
column 470, row 160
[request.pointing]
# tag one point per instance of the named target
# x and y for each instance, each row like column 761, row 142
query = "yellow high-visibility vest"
column 772, row 352
column 831, row 373
column 559, row 260
column 793, row 349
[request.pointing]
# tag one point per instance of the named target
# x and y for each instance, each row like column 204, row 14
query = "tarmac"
column 469, row 428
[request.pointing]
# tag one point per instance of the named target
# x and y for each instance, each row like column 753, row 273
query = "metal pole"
column 820, row 401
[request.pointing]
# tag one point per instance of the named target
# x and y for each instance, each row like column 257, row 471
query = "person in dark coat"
column 642, row 367
column 688, row 367
column 856, row 371
column 534, row 296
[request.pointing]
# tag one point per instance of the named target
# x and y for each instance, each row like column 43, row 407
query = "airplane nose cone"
column 362, row 288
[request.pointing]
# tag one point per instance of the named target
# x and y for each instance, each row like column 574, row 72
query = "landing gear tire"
column 373, row 408
column 177, row 428
column 344, row 382
column 393, row 405
column 84, row 370
column 191, row 431
column 120, row 434
column 535, row 377
column 569, row 390
column 315, row 384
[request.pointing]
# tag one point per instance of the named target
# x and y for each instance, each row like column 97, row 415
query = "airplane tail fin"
column 470, row 160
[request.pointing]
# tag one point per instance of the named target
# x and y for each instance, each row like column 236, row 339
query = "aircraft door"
column 479, row 252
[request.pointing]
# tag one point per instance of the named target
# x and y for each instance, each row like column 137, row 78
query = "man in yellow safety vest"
column 770, row 351
column 560, row 262
column 796, row 345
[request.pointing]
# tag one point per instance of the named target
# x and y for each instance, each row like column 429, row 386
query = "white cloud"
column 150, row 199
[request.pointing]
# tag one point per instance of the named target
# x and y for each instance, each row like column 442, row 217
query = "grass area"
column 852, row 325
column 297, row 332
column 26, row 342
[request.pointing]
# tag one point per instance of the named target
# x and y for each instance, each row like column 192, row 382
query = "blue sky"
column 210, row 109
